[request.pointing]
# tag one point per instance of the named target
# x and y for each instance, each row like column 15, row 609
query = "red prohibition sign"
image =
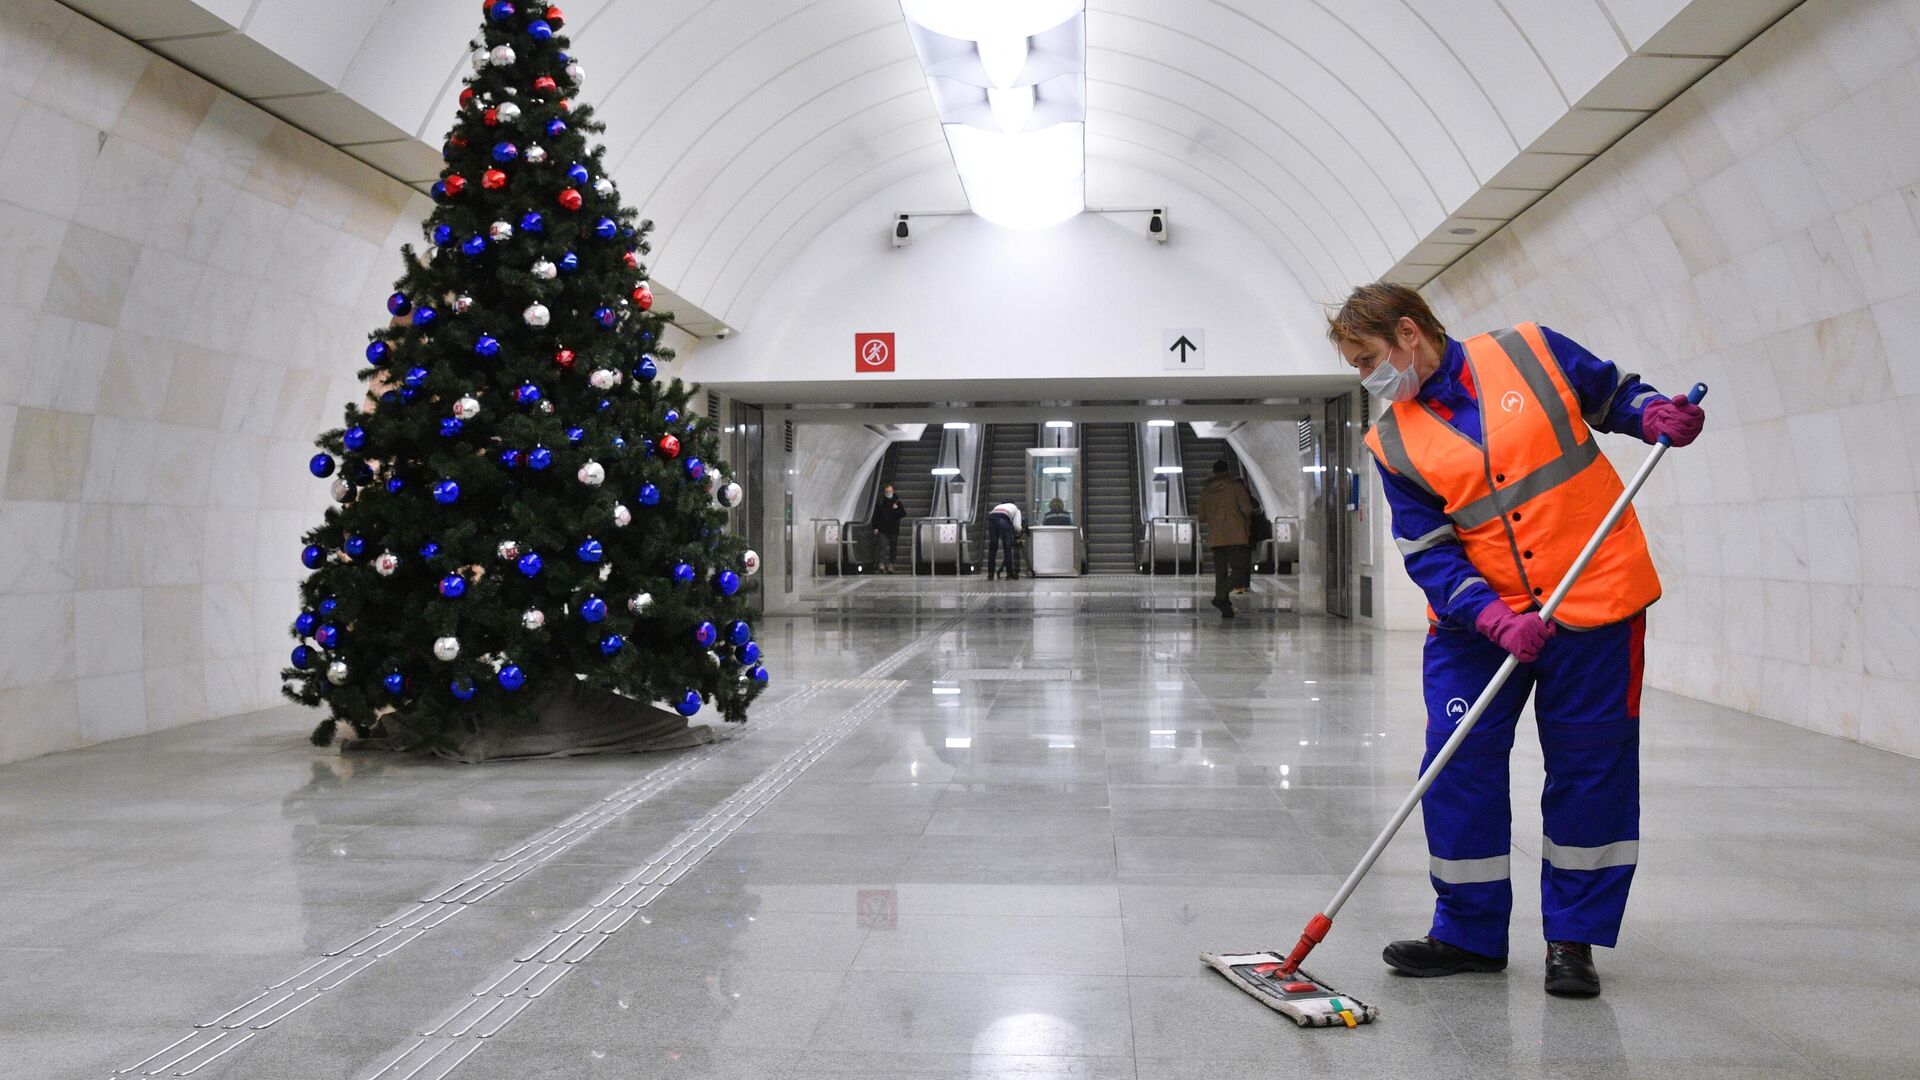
column 873, row 352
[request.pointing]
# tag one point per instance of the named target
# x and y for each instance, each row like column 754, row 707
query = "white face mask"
column 1390, row 383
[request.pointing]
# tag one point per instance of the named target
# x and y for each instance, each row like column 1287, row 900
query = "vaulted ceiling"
column 1355, row 137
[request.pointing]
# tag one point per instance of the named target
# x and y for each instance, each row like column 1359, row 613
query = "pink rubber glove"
column 1679, row 420
column 1523, row 635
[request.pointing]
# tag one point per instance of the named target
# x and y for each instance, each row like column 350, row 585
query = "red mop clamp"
column 1314, row 934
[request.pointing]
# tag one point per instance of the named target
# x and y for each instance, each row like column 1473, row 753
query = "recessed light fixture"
column 945, row 470
column 1057, row 470
column 1160, row 423
column 956, row 425
column 1165, row 470
column 1059, row 423
column 1463, row 230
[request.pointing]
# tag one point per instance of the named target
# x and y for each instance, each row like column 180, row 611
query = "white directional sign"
column 1183, row 349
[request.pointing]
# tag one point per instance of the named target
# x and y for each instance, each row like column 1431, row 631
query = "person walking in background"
column 1226, row 509
column 1003, row 524
column 887, row 515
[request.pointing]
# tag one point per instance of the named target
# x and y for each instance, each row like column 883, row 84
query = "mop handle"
column 1317, row 928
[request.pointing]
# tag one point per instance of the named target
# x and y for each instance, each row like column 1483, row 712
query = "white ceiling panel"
column 1348, row 135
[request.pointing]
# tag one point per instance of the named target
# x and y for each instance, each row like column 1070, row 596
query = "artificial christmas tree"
column 526, row 515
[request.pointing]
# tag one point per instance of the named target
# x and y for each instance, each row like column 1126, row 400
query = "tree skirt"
column 570, row 722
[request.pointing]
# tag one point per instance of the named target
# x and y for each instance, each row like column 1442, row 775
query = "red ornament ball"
column 564, row 358
column 493, row 179
column 455, row 184
column 466, row 97
column 491, row 118
column 556, row 17
column 545, row 85
column 669, row 445
column 458, row 140
column 632, row 259
column 643, row 296
column 566, row 105
column 570, row 199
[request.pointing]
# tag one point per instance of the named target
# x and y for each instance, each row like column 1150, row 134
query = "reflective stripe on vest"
column 1523, row 499
column 1566, row 857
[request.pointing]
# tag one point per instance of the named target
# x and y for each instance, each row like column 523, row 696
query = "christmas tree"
column 523, row 508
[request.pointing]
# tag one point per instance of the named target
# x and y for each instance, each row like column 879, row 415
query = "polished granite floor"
column 975, row 831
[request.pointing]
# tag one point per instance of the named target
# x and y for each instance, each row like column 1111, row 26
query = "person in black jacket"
column 887, row 515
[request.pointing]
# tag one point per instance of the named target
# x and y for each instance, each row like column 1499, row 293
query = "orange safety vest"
column 1527, row 497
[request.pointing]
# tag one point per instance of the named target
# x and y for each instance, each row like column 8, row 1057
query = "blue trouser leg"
column 1588, row 705
column 1468, row 814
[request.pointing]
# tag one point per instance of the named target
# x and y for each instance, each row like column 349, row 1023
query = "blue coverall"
column 1587, row 708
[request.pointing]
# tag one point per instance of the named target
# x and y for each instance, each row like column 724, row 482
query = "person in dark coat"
column 888, row 512
column 1226, row 509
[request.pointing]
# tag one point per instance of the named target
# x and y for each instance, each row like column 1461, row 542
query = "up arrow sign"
column 1183, row 348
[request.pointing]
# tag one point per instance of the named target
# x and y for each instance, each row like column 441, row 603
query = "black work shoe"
column 1425, row 958
column 1570, row 970
column 1226, row 608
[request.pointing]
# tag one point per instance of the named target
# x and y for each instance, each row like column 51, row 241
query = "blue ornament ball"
column 696, row 469
column 396, row 683
column 606, row 229
column 603, row 405
column 321, row 465
column 739, row 633
column 649, row 495
column 504, row 152
column 619, row 446
column 450, row 426
column 327, row 636
column 462, row 688
column 398, row 304
column 706, row 635
column 647, row 371
column 527, row 394
column 688, row 704
column 378, row 352
column 302, row 657
column 646, row 447
column 611, row 644
column 539, row 458
column 424, row 316
column 533, row 222
column 672, row 417
column 355, row 438
column 446, row 492
column 312, row 556
column 429, row 549
column 328, row 604
column 438, row 190
column 443, row 235
column 362, row 473
column 758, row 674
column 593, row 609
column 395, row 485
column 415, row 376
column 683, row 573
column 575, row 434
column 529, row 564
column 577, row 173
column 510, row 459
column 487, row 345
column 389, row 397
column 590, row 551
column 356, row 546
column 569, row 263
column 303, row 624
column 474, row 245
column 511, row 677
column 500, row 12
column 453, row 586
column 540, row 30
column 606, row 317
column 556, row 128
column 727, row 582
column 750, row 652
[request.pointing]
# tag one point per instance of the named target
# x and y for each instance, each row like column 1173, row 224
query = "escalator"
column 1112, row 524
column 908, row 466
column 1003, row 468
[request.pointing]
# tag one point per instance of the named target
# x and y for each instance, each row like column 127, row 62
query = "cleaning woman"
column 1490, row 463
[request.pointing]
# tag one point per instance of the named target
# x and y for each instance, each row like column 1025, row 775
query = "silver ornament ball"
column 592, row 474
column 509, row 549
column 386, row 563
column 462, row 304
column 604, row 379
column 750, row 562
column 479, row 59
column 536, row 154
column 533, row 618
column 732, row 494
column 446, row 648
column 337, row 672
column 545, row 270
column 501, row 56
column 621, row 515
column 537, row 316
column 500, row 232
column 640, row 603
column 342, row 491
column 466, row 408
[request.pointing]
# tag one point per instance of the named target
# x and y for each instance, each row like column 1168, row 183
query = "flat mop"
column 1279, row 983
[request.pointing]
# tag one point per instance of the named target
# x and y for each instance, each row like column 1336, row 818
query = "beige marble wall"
column 1761, row 234
column 185, row 287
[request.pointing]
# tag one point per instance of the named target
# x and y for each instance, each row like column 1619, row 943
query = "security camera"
column 901, row 236
column 722, row 333
column 1157, row 226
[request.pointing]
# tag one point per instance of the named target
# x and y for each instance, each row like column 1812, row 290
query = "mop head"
column 1310, row 1002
